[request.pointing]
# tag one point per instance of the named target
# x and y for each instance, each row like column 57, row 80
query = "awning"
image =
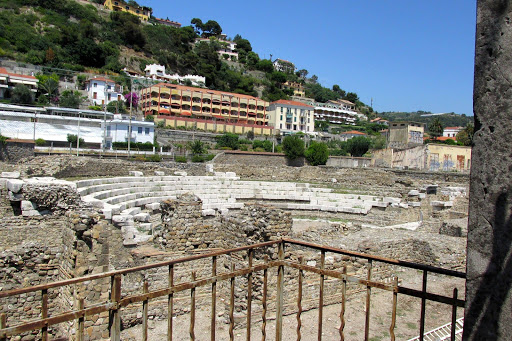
column 185, row 113
column 218, row 116
column 2, row 78
column 30, row 83
column 163, row 111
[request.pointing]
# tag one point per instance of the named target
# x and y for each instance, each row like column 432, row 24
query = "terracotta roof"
column 4, row 71
column 296, row 103
column 101, row 79
column 215, row 92
column 453, row 128
column 354, row 132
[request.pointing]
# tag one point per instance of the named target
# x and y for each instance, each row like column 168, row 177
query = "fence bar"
column 115, row 296
column 343, row 300
column 299, row 300
column 249, row 296
column 368, row 298
column 280, row 283
column 393, row 310
column 264, row 303
column 81, row 322
column 454, row 314
column 44, row 314
column 214, row 299
column 192, row 309
column 145, row 289
column 232, row 304
column 423, row 302
column 3, row 324
column 170, row 302
column 321, row 296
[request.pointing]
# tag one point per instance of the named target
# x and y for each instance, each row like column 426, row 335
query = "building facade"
column 211, row 110
column 291, row 116
column 451, row 131
column 143, row 12
column 347, row 135
column 298, row 88
column 167, row 22
column 226, row 47
column 101, row 90
column 157, row 72
column 8, row 81
column 337, row 112
column 405, row 134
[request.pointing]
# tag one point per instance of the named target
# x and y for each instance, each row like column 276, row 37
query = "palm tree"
column 435, row 128
column 49, row 87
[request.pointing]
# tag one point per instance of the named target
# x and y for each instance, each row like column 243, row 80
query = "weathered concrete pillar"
column 488, row 314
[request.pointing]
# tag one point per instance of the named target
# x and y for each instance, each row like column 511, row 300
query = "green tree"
column 149, row 118
column 21, row 94
column 243, row 44
column 228, row 140
column 116, row 107
column 265, row 65
column 435, row 128
column 71, row 99
column 250, row 135
column 317, row 153
column 73, row 138
column 48, row 86
column 197, row 147
column 358, row 146
column 465, row 136
column 293, row 147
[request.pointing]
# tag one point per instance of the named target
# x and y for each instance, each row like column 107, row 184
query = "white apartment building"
column 157, row 72
column 101, row 90
column 451, row 131
column 9, row 80
column 291, row 116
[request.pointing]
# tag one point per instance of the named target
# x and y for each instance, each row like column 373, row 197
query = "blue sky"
column 406, row 55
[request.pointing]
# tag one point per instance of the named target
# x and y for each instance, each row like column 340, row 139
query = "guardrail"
column 117, row 300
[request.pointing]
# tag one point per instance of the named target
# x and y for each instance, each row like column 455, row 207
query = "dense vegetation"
column 446, row 120
column 68, row 35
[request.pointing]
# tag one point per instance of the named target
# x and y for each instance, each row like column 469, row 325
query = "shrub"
column 317, row 154
column 244, row 148
column 154, row 158
column 358, row 146
column 182, row 159
column 197, row 158
column 293, row 147
column 3, row 139
column 259, row 149
column 40, row 142
column 209, row 157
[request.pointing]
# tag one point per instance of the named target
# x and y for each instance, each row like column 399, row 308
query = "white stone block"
column 180, row 173
column 413, row 193
column 142, row 217
column 30, row 213
column 154, row 206
column 136, row 173
column 146, row 226
column 209, row 168
column 119, row 219
column 28, row 205
column 159, row 173
column 14, row 185
column 10, row 175
column 208, row 212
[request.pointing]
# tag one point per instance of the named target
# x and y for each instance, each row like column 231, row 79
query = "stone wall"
column 14, row 151
column 349, row 162
column 234, row 157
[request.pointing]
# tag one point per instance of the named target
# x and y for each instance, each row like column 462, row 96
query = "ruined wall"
column 250, row 158
column 14, row 151
column 350, row 162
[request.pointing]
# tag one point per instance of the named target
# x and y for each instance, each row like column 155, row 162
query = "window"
column 147, row 131
column 109, row 97
column 280, row 126
column 281, row 117
column 295, row 119
column 94, row 95
column 281, row 110
column 139, row 130
column 95, row 85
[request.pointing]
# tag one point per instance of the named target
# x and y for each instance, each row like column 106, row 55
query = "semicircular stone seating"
column 220, row 192
column 136, row 198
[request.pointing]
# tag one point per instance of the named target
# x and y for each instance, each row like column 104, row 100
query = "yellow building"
column 205, row 109
column 298, row 89
column 143, row 12
column 405, row 134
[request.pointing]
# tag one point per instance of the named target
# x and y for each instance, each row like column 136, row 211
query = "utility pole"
column 78, row 136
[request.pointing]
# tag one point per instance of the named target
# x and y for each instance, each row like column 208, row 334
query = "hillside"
column 80, row 35
column 447, row 120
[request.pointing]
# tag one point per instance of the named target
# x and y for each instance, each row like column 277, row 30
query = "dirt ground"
column 407, row 324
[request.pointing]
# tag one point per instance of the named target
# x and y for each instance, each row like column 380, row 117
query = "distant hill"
column 447, row 120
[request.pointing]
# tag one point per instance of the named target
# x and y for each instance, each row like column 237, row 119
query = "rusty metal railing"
column 117, row 300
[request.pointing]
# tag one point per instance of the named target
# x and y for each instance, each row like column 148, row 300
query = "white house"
column 101, row 90
column 118, row 130
column 283, row 65
column 291, row 116
column 451, row 131
column 9, row 80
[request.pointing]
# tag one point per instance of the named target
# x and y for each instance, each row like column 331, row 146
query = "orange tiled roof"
column 452, row 128
column 296, row 103
column 354, row 132
column 101, row 79
column 4, row 71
